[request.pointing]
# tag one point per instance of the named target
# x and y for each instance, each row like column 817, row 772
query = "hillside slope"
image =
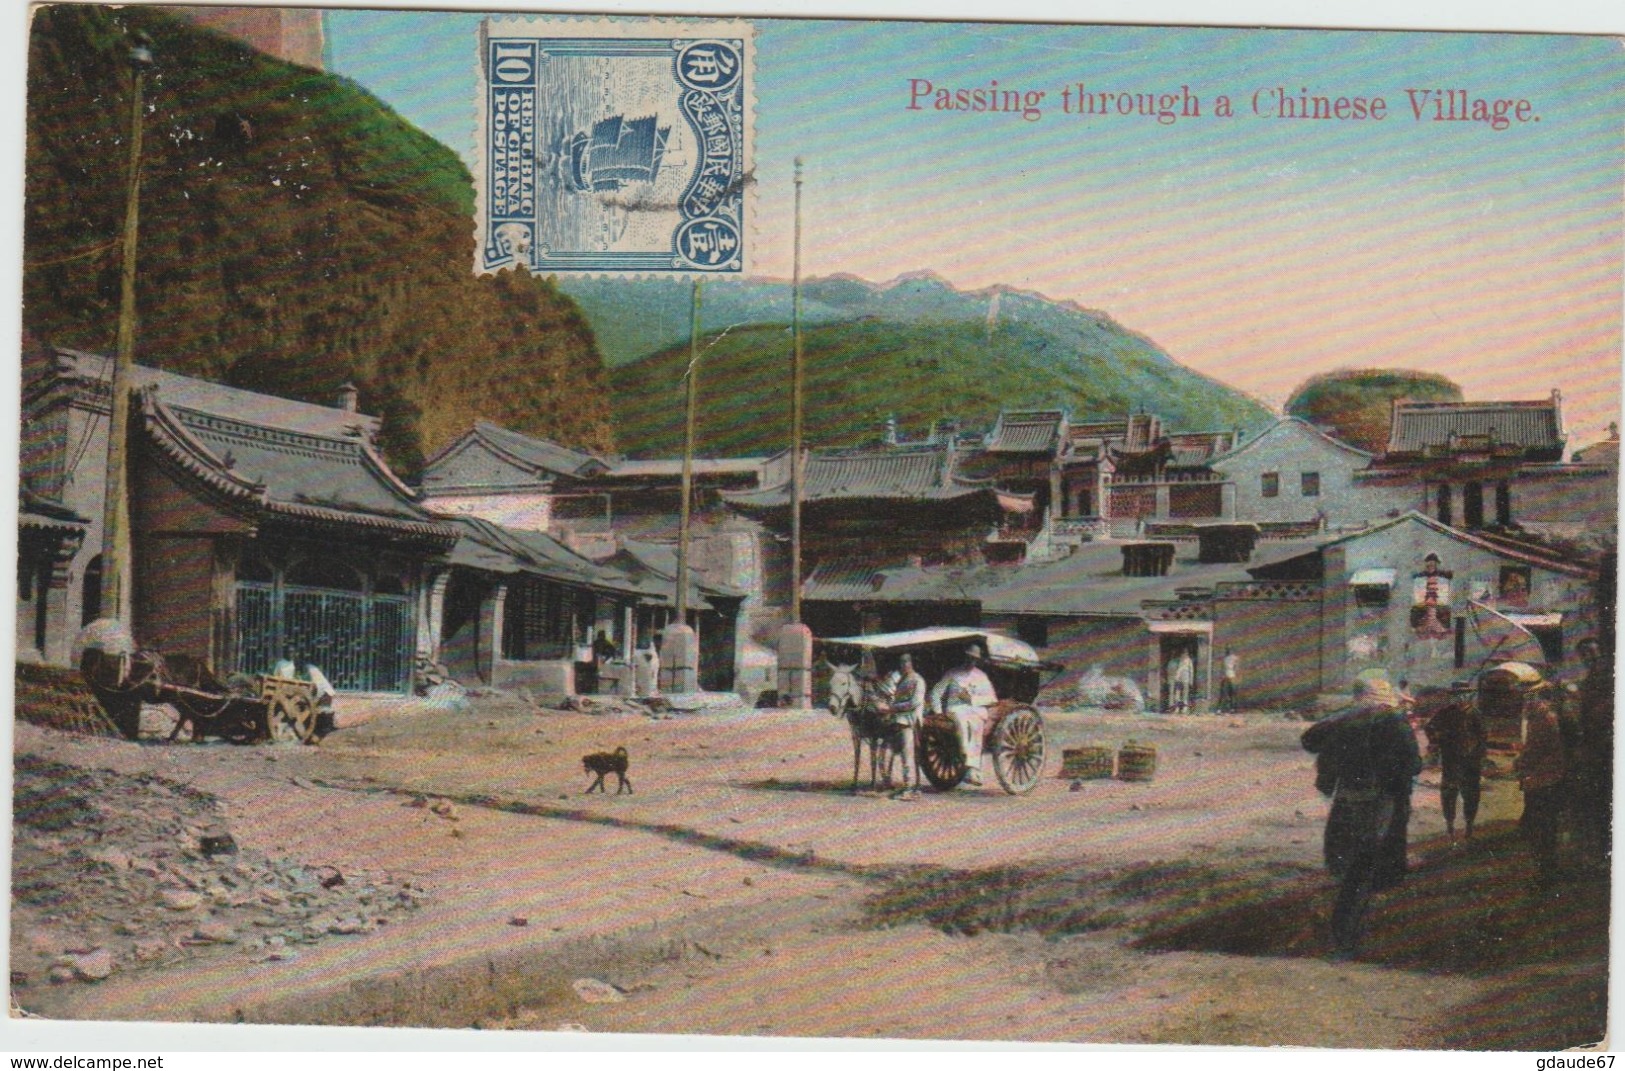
column 917, row 348
column 295, row 233
column 861, row 372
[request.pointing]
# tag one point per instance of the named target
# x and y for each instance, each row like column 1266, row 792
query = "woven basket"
column 1086, row 763
column 1136, row 762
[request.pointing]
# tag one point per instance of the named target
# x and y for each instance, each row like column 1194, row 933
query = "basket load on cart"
column 1014, row 734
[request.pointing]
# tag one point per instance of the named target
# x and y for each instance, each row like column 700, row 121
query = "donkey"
column 851, row 695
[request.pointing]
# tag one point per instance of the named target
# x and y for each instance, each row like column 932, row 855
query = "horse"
column 851, row 696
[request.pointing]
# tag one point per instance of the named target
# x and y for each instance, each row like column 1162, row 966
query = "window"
column 1269, row 484
column 1443, row 497
column 1311, row 485
column 1372, row 594
column 1512, row 589
column 1472, row 505
column 92, row 599
column 1503, row 504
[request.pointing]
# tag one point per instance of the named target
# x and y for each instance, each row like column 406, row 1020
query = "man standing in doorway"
column 1230, row 677
column 1183, row 676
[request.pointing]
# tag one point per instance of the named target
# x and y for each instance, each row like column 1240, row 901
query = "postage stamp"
column 614, row 149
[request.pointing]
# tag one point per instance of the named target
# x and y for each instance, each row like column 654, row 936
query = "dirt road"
column 742, row 889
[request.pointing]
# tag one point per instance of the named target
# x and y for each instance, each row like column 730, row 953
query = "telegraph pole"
column 679, row 644
column 795, row 638
column 692, row 380
column 795, row 415
column 116, row 556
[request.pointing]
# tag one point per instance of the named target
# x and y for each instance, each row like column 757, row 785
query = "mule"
column 851, row 697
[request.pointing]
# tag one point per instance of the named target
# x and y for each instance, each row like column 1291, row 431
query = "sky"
column 1253, row 248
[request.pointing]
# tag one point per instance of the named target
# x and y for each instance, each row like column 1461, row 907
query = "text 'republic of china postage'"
column 614, row 148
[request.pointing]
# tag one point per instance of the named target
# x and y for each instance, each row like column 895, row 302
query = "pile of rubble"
column 651, row 706
column 59, row 699
column 113, row 873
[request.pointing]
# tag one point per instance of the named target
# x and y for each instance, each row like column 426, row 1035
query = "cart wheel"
column 293, row 720
column 941, row 759
column 1018, row 750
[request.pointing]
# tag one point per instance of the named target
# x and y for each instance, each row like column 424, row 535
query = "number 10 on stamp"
column 614, row 148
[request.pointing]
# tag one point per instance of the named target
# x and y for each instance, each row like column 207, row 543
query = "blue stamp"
column 614, row 148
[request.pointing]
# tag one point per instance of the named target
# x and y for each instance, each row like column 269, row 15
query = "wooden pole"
column 796, row 416
column 692, row 379
column 116, row 554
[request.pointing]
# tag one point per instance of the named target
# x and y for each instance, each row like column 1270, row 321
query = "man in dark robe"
column 1366, row 760
column 1456, row 733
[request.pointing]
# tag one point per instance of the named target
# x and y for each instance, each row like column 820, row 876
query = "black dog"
column 607, row 762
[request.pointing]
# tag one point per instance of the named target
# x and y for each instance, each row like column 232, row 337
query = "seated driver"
column 966, row 695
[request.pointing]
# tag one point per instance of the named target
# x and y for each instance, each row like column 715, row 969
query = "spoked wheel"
column 941, row 758
column 293, row 719
column 1018, row 750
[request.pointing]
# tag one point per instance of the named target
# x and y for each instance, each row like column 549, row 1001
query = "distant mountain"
column 295, row 233
column 916, row 348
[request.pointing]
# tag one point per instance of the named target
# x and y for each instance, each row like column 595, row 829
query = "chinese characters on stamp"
column 614, row 149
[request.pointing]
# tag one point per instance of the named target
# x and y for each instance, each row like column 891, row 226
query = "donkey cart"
column 1014, row 734
column 248, row 710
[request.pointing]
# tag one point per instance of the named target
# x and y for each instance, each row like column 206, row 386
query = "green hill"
column 1357, row 404
column 860, row 372
column 295, row 233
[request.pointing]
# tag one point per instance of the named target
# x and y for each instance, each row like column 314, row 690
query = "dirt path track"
column 743, row 890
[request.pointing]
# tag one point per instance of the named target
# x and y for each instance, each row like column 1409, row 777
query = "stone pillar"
column 1202, row 702
column 1153, row 699
column 59, row 626
column 1163, row 507
column 1227, row 500
column 435, row 616
column 223, row 641
column 679, row 659
column 489, row 649
column 795, row 666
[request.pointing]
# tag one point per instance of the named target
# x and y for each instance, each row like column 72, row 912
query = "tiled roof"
column 656, row 565
column 1038, row 431
column 912, row 473
column 539, row 453
column 218, row 399
column 1089, row 581
column 1433, row 427
column 1532, row 554
column 854, row 580
column 1191, row 449
column 272, row 470
column 482, row 544
column 1110, row 430
column 672, row 467
column 41, row 513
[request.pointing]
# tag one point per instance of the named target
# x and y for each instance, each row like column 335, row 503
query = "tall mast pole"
column 116, row 556
column 692, row 379
column 795, row 416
